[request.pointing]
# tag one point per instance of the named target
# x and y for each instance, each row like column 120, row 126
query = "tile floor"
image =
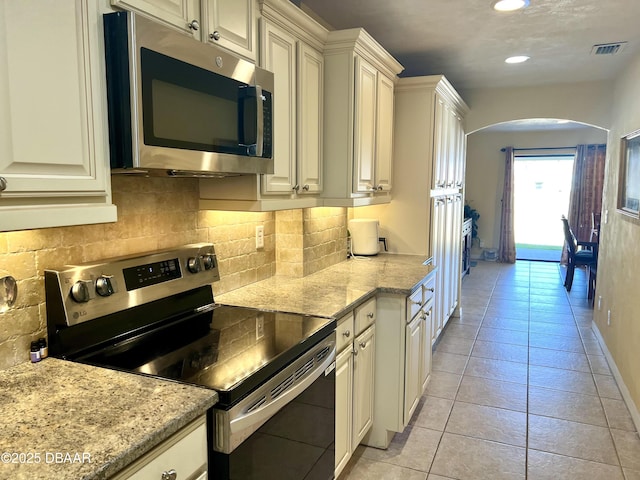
column 520, row 389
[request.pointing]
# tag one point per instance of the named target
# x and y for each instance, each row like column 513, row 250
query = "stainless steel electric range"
column 155, row 314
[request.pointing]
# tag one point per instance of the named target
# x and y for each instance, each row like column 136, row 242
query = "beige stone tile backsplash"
column 156, row 213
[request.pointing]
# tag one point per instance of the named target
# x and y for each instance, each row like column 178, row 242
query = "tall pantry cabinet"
column 426, row 215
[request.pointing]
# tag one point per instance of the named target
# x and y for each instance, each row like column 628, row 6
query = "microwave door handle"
column 259, row 121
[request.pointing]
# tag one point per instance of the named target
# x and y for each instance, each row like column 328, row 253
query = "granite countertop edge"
column 137, row 451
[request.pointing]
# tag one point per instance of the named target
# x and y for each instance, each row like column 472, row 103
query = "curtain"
column 585, row 198
column 507, row 250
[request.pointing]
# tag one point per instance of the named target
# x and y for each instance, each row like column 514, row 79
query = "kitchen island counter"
column 68, row 420
column 335, row 290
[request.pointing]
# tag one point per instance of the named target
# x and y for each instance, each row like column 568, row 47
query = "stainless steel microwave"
column 180, row 107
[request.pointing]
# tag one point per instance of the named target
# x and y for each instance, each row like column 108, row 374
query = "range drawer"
column 344, row 331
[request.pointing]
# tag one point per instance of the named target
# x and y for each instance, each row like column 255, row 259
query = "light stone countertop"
column 336, row 290
column 58, row 406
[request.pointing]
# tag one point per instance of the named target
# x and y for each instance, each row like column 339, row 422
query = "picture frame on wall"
column 629, row 183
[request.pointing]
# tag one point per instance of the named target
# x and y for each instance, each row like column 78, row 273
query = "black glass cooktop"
column 229, row 349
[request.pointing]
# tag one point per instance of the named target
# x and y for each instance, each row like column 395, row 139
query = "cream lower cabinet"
column 403, row 360
column 355, row 375
column 54, row 152
column 182, row 456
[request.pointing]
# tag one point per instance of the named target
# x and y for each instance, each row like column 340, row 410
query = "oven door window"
column 187, row 107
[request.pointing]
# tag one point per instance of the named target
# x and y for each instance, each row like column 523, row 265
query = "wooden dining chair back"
column 578, row 253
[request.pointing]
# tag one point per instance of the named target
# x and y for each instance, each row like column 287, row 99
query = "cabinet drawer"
column 414, row 304
column 428, row 289
column 344, row 331
column 365, row 315
column 185, row 452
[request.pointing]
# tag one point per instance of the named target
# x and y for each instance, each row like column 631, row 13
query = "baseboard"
column 624, row 391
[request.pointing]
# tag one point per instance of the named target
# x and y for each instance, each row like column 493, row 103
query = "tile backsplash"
column 156, row 213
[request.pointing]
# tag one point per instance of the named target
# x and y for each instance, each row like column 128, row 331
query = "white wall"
column 588, row 103
column 485, row 168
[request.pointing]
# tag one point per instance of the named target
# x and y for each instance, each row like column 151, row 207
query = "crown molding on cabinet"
column 287, row 15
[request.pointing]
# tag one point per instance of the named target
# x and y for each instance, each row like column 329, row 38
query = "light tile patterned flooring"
column 520, row 389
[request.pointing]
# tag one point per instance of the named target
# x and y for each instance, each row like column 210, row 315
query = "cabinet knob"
column 363, row 345
column 379, row 188
column 296, row 187
column 346, row 333
column 306, row 187
column 413, row 302
column 194, row 25
column 215, row 35
column 430, row 289
column 169, row 475
column 370, row 315
column 3, row 184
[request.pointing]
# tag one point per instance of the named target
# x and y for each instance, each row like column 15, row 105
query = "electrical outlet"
column 599, row 302
column 259, row 326
column 609, row 318
column 260, row 236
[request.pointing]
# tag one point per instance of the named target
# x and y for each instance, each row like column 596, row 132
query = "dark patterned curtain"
column 585, row 198
column 507, row 250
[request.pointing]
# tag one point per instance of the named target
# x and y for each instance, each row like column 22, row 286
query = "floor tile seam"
column 606, row 427
column 486, row 439
column 566, row 391
column 576, row 458
column 493, row 358
column 557, row 349
column 495, row 378
column 386, row 462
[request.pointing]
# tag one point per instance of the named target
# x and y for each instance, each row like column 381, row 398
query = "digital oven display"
column 151, row 274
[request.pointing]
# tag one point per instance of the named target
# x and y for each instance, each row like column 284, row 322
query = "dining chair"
column 578, row 253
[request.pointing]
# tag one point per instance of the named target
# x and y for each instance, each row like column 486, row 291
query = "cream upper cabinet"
column 182, row 14
column 358, row 134
column 310, row 115
column 230, row 24
column 364, row 137
column 290, row 46
column 279, row 56
column 54, row 167
column 384, row 137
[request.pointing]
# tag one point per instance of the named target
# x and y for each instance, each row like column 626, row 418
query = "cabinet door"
column 365, row 127
column 310, row 118
column 438, row 241
column 384, row 134
column 183, row 14
column 344, row 402
column 230, row 24
column 425, row 346
column 439, row 143
column 53, row 141
column 363, row 374
column 278, row 50
column 412, row 384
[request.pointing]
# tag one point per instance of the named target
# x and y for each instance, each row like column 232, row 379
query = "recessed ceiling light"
column 509, row 5
column 517, row 59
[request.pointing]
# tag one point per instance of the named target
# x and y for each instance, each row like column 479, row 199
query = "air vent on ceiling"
column 608, row 48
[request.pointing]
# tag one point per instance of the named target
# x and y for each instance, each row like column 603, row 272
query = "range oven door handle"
column 262, row 414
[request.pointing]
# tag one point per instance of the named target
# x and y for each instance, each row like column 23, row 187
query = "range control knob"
column 80, row 291
column 208, row 262
column 194, row 265
column 104, row 286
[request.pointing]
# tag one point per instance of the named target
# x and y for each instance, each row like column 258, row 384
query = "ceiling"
column 467, row 41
